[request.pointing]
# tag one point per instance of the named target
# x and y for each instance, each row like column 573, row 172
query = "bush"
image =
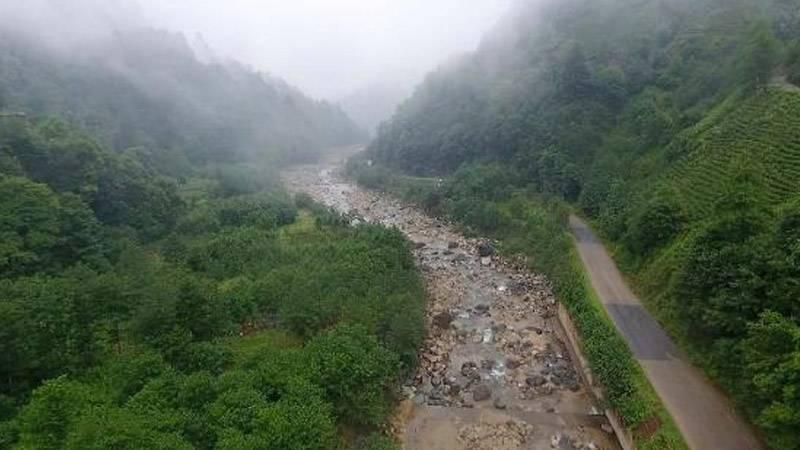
column 656, row 224
column 47, row 420
column 793, row 64
column 262, row 211
column 356, row 373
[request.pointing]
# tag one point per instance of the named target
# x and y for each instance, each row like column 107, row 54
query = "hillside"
column 673, row 126
column 158, row 287
column 146, row 88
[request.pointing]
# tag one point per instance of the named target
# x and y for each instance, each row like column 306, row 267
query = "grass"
column 246, row 348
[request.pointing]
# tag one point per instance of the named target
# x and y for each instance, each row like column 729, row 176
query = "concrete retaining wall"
column 624, row 436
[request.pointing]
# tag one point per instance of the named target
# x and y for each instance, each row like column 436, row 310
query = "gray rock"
column 481, row 393
column 485, row 250
column 499, row 403
column 443, row 320
column 536, row 381
column 452, row 245
column 513, row 363
column 481, row 309
column 470, row 370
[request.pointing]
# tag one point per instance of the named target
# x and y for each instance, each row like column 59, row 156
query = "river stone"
column 485, row 250
column 499, row 403
column 513, row 363
column 536, row 381
column 443, row 320
column 481, row 393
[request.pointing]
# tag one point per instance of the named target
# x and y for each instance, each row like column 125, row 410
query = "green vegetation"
column 114, row 335
column 674, row 127
column 159, row 289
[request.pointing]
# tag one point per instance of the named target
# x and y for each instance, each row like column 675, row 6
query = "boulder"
column 481, row 393
column 443, row 320
column 485, row 250
column 536, row 381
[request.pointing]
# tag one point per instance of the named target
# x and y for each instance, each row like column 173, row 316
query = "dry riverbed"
column 494, row 373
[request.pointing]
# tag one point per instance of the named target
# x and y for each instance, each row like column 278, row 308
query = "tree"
column 759, row 55
column 356, row 373
column 107, row 427
column 574, row 78
column 657, row 222
column 28, row 227
column 772, row 356
column 48, row 419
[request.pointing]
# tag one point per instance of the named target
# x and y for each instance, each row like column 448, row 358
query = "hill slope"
column 145, row 87
column 669, row 124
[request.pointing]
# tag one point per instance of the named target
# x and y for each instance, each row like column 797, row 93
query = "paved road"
column 704, row 415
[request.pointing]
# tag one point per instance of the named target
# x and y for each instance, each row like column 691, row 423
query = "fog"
column 328, row 48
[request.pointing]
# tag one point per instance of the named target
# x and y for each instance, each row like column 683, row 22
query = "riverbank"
column 495, row 372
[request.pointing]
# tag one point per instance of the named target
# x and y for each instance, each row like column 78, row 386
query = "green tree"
column 772, row 356
column 656, row 224
column 759, row 55
column 28, row 227
column 52, row 412
column 356, row 373
column 107, row 427
column 574, row 79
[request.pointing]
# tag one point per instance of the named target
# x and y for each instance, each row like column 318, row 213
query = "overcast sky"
column 329, row 48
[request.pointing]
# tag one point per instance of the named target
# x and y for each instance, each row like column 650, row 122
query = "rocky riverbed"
column 494, row 372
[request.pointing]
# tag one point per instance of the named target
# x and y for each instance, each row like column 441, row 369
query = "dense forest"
column 158, row 288
column 675, row 127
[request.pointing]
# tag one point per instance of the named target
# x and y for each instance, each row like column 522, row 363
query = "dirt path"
column 494, row 372
column 703, row 413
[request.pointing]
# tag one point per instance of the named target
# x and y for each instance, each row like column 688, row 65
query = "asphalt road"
column 702, row 412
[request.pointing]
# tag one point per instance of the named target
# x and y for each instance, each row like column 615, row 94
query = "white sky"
column 329, row 48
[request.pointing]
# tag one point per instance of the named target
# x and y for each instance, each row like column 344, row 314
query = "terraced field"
column 761, row 133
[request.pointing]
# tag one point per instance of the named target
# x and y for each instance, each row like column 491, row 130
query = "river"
column 494, row 372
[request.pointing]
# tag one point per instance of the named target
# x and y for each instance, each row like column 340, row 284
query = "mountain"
column 674, row 126
column 375, row 103
column 146, row 88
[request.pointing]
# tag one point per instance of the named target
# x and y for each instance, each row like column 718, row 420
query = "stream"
column 494, row 371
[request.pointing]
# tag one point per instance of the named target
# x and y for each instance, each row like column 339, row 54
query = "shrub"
column 656, row 224
column 356, row 373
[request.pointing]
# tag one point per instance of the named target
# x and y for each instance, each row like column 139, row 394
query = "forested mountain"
column 145, row 88
column 156, row 287
column 375, row 103
column 675, row 126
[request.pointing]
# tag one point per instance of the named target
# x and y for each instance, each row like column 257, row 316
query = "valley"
column 494, row 372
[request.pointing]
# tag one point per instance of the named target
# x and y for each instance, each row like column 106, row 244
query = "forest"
column 158, row 287
column 674, row 126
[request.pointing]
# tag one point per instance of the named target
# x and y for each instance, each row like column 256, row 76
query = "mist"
column 328, row 49
column 332, row 48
